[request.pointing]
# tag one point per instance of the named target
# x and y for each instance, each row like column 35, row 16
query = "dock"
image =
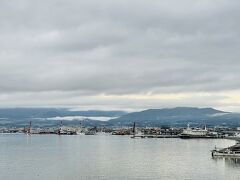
column 155, row 136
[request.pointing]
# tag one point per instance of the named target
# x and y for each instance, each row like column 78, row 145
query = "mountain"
column 180, row 116
column 175, row 116
column 52, row 112
column 40, row 117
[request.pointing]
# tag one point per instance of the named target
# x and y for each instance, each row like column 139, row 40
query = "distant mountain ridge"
column 166, row 116
column 179, row 116
column 52, row 112
column 41, row 117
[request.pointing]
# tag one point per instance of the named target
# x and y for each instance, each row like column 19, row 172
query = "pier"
column 155, row 136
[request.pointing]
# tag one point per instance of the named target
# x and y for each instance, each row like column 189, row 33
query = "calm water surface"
column 52, row 157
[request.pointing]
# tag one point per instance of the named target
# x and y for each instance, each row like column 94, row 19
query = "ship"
column 194, row 133
column 232, row 151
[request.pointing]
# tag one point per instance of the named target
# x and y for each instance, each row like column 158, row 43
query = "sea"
column 108, row 157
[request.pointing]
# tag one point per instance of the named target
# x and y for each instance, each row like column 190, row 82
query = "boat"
column 232, row 151
column 194, row 133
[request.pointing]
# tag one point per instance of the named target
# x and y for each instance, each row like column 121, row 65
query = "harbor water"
column 53, row 157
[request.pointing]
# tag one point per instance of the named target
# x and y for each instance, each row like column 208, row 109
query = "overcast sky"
column 124, row 54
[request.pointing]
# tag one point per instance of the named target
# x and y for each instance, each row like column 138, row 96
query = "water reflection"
column 112, row 157
column 232, row 162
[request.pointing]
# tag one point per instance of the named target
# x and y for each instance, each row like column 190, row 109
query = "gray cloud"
column 84, row 49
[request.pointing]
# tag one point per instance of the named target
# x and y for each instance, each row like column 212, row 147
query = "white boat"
column 232, row 151
column 194, row 133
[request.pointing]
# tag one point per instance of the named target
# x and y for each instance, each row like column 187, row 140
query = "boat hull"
column 194, row 136
column 220, row 154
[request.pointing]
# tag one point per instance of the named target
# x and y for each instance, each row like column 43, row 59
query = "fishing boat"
column 232, row 151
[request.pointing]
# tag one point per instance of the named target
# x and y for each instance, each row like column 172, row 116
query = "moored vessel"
column 194, row 133
column 232, row 151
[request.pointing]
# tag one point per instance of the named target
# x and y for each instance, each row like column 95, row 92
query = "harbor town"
column 134, row 131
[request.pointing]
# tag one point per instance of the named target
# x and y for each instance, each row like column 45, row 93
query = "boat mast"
column 30, row 127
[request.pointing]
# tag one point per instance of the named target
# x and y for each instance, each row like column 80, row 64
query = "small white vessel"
column 232, row 151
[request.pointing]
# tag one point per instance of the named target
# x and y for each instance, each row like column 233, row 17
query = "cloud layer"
column 120, row 54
